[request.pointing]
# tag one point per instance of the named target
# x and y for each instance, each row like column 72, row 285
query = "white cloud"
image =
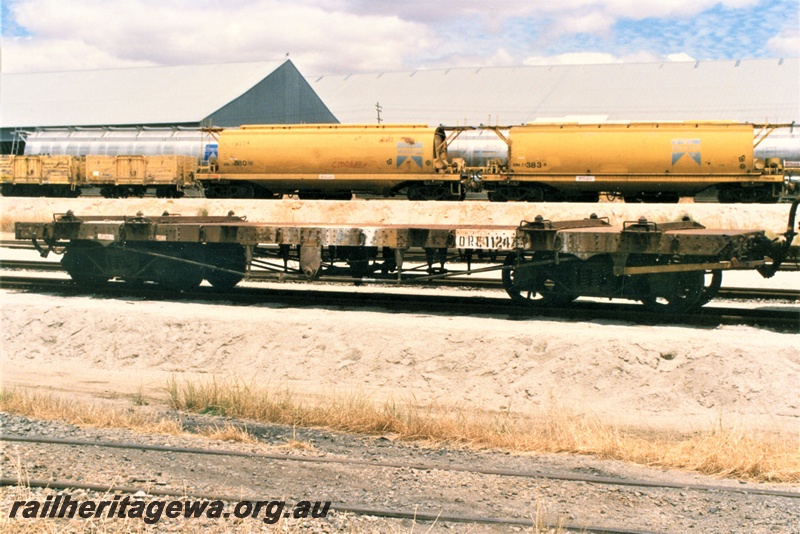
column 786, row 44
column 430, row 11
column 596, row 22
column 23, row 54
column 183, row 32
column 341, row 36
column 595, row 58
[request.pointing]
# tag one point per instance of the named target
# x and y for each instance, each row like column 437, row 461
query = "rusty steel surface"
column 587, row 236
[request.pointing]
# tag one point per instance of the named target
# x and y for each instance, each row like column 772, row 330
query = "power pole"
column 379, row 109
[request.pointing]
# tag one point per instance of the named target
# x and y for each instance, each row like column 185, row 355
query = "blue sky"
column 344, row 36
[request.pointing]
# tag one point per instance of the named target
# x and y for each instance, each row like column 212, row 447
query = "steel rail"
column 421, row 303
column 31, row 265
column 471, row 283
column 548, row 475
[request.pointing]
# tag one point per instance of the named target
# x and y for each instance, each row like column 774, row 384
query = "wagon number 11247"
column 493, row 240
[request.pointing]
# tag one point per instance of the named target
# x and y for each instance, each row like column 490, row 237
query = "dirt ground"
column 660, row 377
column 646, row 376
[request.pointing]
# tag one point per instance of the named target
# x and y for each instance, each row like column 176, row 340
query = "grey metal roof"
column 757, row 90
column 150, row 95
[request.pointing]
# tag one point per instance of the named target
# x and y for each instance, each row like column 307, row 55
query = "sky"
column 356, row 36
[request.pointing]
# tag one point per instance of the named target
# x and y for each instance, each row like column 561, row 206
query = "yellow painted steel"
column 329, row 157
column 648, row 156
column 140, row 170
column 170, row 170
column 328, row 149
column 40, row 170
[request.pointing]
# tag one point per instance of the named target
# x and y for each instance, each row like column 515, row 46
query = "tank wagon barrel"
column 120, row 141
column 541, row 262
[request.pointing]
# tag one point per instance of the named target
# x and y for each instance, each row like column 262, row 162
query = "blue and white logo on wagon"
column 211, row 151
column 684, row 147
column 409, row 153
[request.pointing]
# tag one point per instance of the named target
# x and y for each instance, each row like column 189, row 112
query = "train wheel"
column 138, row 191
column 731, row 194
column 230, row 257
column 176, row 276
column 428, row 192
column 675, row 292
column 533, row 193
column 754, row 194
column 212, row 190
column 505, row 194
column 496, row 196
column 229, row 190
column 532, row 285
column 242, row 191
column 712, row 283
column 168, row 192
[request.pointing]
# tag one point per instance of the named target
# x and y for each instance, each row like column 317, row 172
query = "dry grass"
column 356, row 414
column 227, row 432
column 104, row 415
column 720, row 451
column 94, row 414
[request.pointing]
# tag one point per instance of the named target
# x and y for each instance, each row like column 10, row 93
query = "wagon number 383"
column 535, row 164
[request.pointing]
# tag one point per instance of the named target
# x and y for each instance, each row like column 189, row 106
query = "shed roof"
column 756, row 90
column 149, row 95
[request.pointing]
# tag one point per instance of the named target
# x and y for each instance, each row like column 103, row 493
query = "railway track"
column 467, row 283
column 319, row 297
column 750, row 489
column 513, row 477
